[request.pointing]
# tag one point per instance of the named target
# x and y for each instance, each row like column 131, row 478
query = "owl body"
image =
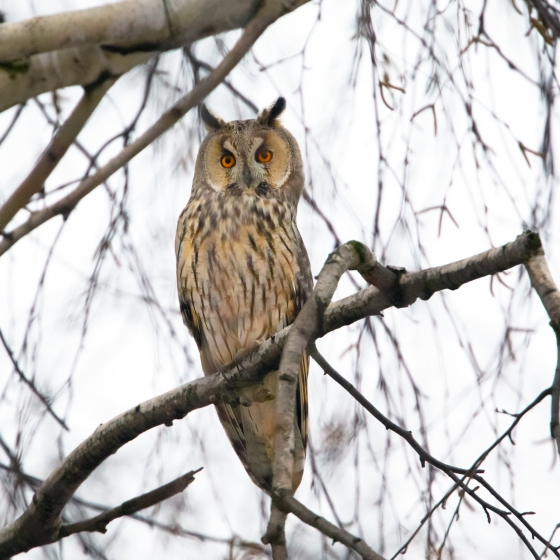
column 242, row 269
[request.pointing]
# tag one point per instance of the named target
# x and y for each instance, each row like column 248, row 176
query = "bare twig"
column 99, row 522
column 424, row 456
column 174, row 529
column 14, row 120
column 44, row 399
column 450, row 471
column 481, row 458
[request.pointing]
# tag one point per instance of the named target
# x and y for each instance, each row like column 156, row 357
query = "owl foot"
column 247, row 352
column 258, row 394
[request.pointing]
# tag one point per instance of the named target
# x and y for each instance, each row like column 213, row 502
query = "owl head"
column 252, row 158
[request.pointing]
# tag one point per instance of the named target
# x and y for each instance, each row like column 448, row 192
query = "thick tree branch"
column 410, row 286
column 75, row 48
column 267, row 15
column 127, row 25
column 275, row 534
column 40, row 523
column 24, row 79
column 349, row 256
column 54, row 152
column 99, row 522
column 308, row 321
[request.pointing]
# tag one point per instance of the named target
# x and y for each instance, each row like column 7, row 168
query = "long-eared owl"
column 242, row 269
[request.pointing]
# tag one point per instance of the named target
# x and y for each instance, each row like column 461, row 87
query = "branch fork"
column 318, row 317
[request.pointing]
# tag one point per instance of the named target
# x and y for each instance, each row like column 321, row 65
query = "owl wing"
column 249, row 429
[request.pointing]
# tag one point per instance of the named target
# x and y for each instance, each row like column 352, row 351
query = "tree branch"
column 290, row 505
column 40, row 523
column 77, row 47
column 349, row 256
column 99, row 522
column 275, row 534
column 126, row 26
column 24, row 79
column 29, row 382
column 54, row 152
column 409, row 286
column 425, row 457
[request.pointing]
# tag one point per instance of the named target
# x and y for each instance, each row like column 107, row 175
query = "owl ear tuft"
column 270, row 115
column 211, row 121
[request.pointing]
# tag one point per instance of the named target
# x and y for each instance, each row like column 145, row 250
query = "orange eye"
column 228, row 161
column 264, row 156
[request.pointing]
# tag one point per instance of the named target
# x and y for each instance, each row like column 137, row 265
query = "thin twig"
column 424, row 456
column 481, row 458
column 450, row 471
column 99, row 522
column 30, row 384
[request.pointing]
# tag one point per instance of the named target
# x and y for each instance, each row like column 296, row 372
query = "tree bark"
column 77, row 48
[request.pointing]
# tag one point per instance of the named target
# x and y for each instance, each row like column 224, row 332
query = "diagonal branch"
column 99, row 522
column 424, row 456
column 481, row 458
column 54, row 152
column 29, row 382
column 290, row 505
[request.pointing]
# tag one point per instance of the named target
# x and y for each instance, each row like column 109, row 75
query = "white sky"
column 130, row 354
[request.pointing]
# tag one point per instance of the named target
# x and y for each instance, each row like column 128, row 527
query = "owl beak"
column 247, row 177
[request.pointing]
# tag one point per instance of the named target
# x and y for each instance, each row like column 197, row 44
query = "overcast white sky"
column 451, row 345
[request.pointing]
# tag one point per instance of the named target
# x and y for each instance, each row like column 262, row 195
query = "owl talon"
column 255, row 394
column 247, row 352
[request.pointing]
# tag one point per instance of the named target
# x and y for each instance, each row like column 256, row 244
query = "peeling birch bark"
column 69, row 67
column 127, row 25
column 76, row 48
